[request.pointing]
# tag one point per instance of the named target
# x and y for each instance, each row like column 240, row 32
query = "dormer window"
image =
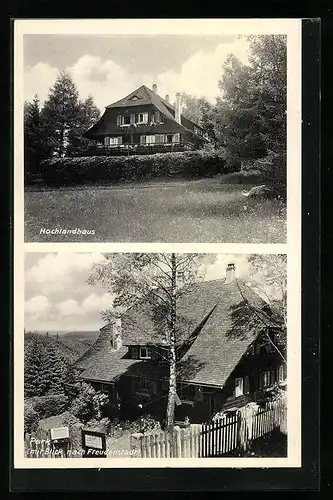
column 134, row 98
column 144, row 353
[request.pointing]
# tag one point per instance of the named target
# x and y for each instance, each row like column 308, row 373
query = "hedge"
column 114, row 169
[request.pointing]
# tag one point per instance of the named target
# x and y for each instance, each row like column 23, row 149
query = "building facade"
column 144, row 123
column 226, row 361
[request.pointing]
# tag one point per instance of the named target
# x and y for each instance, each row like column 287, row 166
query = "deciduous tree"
column 158, row 279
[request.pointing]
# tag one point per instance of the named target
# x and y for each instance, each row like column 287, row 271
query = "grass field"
column 205, row 210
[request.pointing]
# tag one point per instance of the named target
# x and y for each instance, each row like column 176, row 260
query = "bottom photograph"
column 155, row 355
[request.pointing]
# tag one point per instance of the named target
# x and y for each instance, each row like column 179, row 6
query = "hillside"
column 68, row 348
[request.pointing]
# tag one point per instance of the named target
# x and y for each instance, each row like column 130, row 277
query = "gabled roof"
column 144, row 95
column 222, row 322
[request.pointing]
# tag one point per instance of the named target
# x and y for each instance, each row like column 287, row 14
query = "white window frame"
column 160, row 136
column 150, row 139
column 239, row 387
column 144, row 118
column 115, row 141
column 123, row 120
column 147, row 353
column 266, row 379
column 280, row 374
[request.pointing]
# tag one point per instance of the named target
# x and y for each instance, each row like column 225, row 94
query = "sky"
column 110, row 67
column 58, row 297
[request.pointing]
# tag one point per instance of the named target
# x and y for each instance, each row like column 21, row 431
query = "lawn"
column 205, row 210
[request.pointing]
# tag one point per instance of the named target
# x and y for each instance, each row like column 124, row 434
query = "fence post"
column 178, row 442
column 135, row 444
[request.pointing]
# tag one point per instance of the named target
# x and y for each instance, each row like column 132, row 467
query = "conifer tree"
column 32, row 365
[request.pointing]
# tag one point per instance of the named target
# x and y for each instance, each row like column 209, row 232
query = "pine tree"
column 32, row 365
column 34, row 151
column 60, row 115
column 55, row 370
column 65, row 118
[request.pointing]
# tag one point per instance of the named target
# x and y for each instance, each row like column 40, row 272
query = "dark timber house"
column 144, row 123
column 225, row 357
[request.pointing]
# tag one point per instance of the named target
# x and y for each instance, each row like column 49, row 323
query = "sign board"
column 93, row 444
column 60, row 433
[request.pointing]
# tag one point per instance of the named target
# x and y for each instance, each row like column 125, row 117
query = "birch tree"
column 154, row 279
column 269, row 278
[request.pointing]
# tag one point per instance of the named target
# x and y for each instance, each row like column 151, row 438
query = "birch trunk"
column 172, row 351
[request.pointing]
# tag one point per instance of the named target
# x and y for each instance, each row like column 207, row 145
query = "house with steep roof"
column 226, row 355
column 144, row 123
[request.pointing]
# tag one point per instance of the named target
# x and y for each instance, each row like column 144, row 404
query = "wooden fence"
column 184, row 443
column 215, row 439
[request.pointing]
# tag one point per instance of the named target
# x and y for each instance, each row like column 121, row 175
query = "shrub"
column 103, row 425
column 52, row 404
column 31, row 417
column 114, row 169
column 88, row 404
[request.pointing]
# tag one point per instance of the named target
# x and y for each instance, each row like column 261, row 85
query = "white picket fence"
column 216, row 438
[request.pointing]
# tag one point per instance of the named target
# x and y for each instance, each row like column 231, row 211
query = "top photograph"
column 155, row 138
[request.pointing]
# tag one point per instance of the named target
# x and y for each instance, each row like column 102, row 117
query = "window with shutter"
column 150, row 139
column 143, row 118
column 106, row 141
column 266, row 379
column 142, row 139
column 132, row 119
column 119, row 120
column 281, row 373
column 126, row 120
column 176, row 137
column 239, row 387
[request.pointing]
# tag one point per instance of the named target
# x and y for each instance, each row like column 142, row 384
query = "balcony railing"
column 137, row 149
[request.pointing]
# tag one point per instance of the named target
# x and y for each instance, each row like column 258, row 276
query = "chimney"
column 177, row 108
column 230, row 273
column 167, row 97
column 116, row 334
column 155, row 88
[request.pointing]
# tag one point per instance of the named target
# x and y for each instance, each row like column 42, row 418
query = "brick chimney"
column 177, row 108
column 230, row 273
column 155, row 88
column 167, row 97
column 116, row 334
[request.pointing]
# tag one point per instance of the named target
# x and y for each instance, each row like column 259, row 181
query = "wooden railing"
column 137, row 149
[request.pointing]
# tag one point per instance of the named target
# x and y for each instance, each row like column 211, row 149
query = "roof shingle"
column 222, row 320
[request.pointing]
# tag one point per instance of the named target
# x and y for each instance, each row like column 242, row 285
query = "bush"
column 103, row 425
column 143, row 424
column 114, row 169
column 50, row 405
column 31, row 417
column 88, row 404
